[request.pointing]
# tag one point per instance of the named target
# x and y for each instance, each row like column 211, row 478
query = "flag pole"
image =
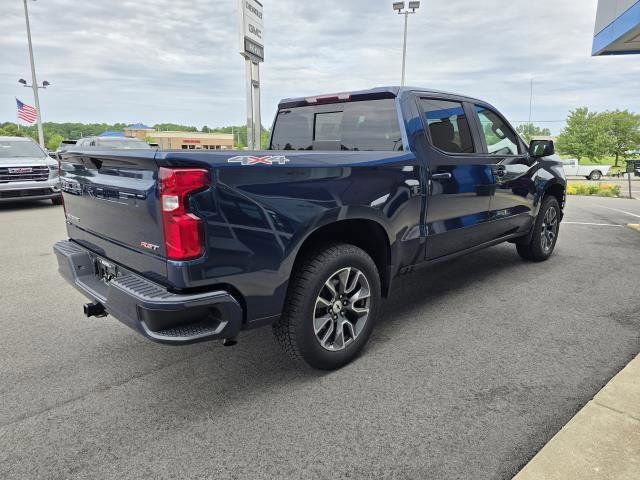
column 34, row 82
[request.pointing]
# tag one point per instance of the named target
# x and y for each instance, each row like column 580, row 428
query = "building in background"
column 191, row 140
column 111, row 133
column 617, row 29
column 138, row 130
column 176, row 140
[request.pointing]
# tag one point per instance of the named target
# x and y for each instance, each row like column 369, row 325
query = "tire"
column 57, row 200
column 313, row 317
column 595, row 175
column 544, row 234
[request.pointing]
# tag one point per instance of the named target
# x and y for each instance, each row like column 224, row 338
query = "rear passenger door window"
column 500, row 138
column 448, row 125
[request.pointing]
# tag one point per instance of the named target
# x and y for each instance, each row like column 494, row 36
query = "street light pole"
column 530, row 100
column 404, row 46
column 34, row 81
column 400, row 8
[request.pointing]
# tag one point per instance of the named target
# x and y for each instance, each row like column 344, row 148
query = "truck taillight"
column 183, row 231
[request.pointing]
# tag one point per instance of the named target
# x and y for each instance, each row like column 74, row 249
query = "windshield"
column 17, row 148
column 124, row 143
column 366, row 125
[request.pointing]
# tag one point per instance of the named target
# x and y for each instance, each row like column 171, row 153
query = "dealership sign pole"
column 252, row 49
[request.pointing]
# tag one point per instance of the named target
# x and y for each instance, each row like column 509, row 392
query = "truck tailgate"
column 112, row 207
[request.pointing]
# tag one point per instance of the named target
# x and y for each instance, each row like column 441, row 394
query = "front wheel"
column 544, row 234
column 57, row 200
column 595, row 175
column 331, row 306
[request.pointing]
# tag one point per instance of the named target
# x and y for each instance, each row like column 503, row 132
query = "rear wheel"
column 331, row 307
column 544, row 234
column 595, row 175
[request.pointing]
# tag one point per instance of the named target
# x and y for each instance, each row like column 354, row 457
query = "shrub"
column 598, row 189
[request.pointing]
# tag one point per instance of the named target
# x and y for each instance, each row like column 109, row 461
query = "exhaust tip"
column 229, row 342
column 95, row 309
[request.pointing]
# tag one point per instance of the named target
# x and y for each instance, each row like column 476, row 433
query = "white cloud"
column 177, row 60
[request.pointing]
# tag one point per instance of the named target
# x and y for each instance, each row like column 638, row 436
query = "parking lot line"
column 621, row 211
column 593, row 224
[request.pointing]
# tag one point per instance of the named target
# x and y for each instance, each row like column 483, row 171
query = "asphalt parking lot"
column 476, row 364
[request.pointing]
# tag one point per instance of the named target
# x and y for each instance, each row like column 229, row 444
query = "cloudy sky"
column 177, row 60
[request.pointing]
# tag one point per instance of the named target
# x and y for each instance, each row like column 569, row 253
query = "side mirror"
column 541, row 148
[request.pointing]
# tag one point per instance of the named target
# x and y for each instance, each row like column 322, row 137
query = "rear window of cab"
column 368, row 125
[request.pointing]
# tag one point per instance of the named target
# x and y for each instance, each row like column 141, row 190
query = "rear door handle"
column 441, row 176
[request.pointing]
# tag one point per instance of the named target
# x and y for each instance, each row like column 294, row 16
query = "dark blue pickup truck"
column 308, row 236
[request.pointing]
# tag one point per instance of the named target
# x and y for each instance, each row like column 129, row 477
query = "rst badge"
column 150, row 246
column 21, row 170
column 254, row 160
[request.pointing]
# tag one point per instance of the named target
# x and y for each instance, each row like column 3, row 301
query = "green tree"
column 623, row 129
column 54, row 142
column 164, row 127
column 264, row 139
column 529, row 130
column 52, row 131
column 9, row 129
column 585, row 136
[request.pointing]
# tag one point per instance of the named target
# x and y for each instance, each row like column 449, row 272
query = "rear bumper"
column 147, row 307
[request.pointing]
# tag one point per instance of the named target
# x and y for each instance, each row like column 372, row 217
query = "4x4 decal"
column 254, row 160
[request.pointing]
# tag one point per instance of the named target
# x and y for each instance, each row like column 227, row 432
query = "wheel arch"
column 365, row 233
column 557, row 190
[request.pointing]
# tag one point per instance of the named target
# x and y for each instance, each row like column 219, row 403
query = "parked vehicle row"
column 27, row 172
column 308, row 237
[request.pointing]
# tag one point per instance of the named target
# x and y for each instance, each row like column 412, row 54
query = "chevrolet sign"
column 251, row 29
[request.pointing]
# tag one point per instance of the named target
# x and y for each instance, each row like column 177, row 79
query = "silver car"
column 27, row 172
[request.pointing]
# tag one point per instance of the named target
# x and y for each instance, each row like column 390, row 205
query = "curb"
column 602, row 441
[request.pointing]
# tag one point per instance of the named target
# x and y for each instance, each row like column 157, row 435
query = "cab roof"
column 370, row 94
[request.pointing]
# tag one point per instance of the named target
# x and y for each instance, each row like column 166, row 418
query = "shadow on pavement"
column 217, row 375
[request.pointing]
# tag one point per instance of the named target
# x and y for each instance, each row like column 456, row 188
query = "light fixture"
column 414, row 5
column 23, row 82
column 398, row 6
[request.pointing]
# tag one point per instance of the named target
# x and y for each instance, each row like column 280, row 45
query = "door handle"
column 441, row 176
column 499, row 171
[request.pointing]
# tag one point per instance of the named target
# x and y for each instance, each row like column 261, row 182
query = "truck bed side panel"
column 257, row 217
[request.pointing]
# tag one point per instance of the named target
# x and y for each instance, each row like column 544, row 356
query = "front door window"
column 500, row 138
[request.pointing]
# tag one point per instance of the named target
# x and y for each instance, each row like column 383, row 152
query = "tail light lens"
column 183, row 231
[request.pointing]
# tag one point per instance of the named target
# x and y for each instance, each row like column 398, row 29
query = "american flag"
column 26, row 112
